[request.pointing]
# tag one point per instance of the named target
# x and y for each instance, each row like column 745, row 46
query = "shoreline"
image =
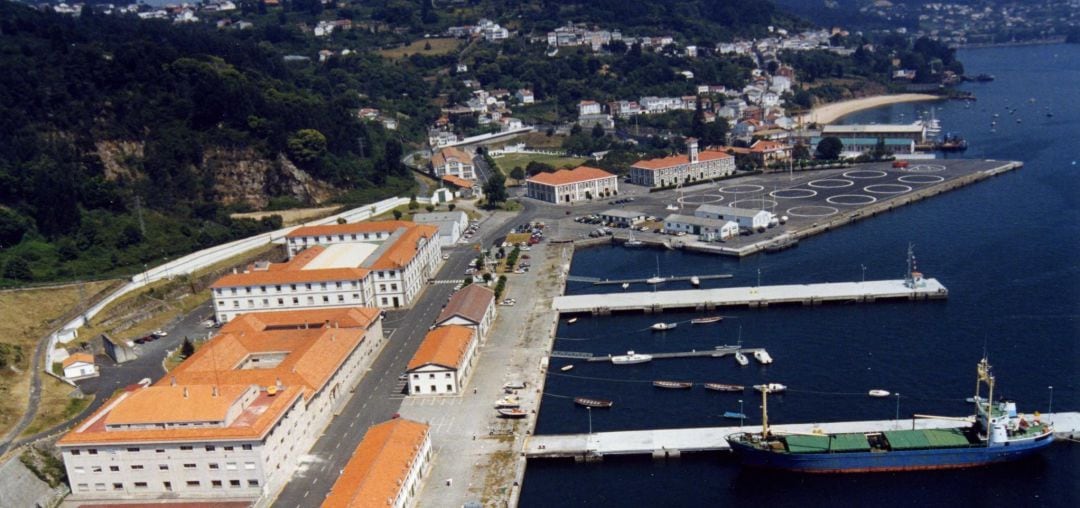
column 832, row 112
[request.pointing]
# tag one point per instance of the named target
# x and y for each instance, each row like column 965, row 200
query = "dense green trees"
column 829, row 148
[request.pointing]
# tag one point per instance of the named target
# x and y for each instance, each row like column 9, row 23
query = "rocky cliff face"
column 241, row 176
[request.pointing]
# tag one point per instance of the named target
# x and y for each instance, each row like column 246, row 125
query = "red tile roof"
column 78, row 357
column 565, row 176
column 451, row 154
column 458, row 181
column 380, row 226
column 379, row 466
column 471, row 303
column 444, row 346
column 405, row 248
column 678, row 160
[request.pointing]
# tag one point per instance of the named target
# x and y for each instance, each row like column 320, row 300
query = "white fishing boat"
column 771, row 387
column 878, row 393
column 660, row 327
column 762, row 357
column 630, row 358
column 566, row 368
column 632, row 242
column 571, row 321
column 695, row 281
column 507, row 403
column 741, row 359
column 706, row 320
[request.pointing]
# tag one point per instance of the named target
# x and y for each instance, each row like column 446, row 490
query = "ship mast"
column 765, row 411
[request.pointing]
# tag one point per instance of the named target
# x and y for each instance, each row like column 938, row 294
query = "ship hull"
column 905, row 460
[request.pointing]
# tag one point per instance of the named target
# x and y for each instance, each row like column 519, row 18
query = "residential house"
column 524, row 96
column 79, row 366
column 453, row 161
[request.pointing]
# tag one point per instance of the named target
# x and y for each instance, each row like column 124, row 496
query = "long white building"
column 683, row 169
column 567, row 186
column 379, row 264
column 234, row 420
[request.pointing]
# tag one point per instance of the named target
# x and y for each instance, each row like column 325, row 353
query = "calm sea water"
column 1006, row 249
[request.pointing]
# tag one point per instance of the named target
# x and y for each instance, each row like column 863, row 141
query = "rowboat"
column 565, row 368
column 597, row 403
column 706, row 320
column 878, row 393
column 513, row 413
column 720, row 387
column 659, row 327
column 673, row 385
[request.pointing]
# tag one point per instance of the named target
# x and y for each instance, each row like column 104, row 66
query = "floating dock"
column 664, row 443
column 759, row 296
column 596, row 281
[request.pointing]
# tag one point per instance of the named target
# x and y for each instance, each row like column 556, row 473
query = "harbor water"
column 1006, row 249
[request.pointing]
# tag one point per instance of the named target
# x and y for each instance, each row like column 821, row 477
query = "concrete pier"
column 661, row 443
column 762, row 296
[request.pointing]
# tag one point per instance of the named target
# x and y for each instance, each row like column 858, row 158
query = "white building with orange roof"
column 443, row 362
column 453, row 161
column 571, row 185
column 232, row 421
column 683, row 169
column 380, row 264
column 79, row 366
column 386, row 469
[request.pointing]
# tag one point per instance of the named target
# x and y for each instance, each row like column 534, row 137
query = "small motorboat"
column 591, row 402
column 720, row 387
column 741, row 359
column 656, row 279
column 695, row 281
column 706, row 320
column 571, row 321
column 660, row 327
column 507, row 403
column 673, row 385
column 630, row 358
column 771, row 387
column 514, row 412
column 878, row 393
column 762, row 357
column 625, row 285
column 565, row 368
column 734, row 415
column 514, row 385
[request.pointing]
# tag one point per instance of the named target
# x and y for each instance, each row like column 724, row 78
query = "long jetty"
column 665, row 443
column 719, row 352
column 596, row 281
column 757, row 296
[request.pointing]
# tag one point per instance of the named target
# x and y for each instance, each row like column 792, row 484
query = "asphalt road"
column 379, row 394
column 483, row 171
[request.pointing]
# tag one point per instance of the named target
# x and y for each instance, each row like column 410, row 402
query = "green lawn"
column 509, row 162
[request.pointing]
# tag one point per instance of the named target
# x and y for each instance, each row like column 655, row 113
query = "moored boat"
column 706, row 320
column 660, row 327
column 655, row 279
column 632, row 242
column 998, row 434
column 762, row 357
column 878, row 393
column 565, row 368
column 734, row 415
column 591, row 402
column 720, row 387
column 741, row 359
column 571, row 321
column 673, row 385
column 507, row 403
column 630, row 358
column 771, row 387
column 695, row 281
column 513, row 413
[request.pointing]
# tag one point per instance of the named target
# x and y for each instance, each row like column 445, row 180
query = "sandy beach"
column 831, row 112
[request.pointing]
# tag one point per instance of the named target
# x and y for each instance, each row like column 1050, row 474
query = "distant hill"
column 126, row 142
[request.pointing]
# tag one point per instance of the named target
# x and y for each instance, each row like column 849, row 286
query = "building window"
column 231, row 466
column 326, row 299
column 281, row 301
column 193, row 483
column 185, row 448
column 245, row 447
column 234, row 483
column 92, row 451
column 159, row 450
column 356, row 296
column 163, row 467
column 296, row 301
column 250, row 465
column 118, row 486
column 76, row 452
column 228, row 448
column 393, row 287
column 99, row 486
column 114, row 468
column 136, row 467
column 449, row 388
column 215, row 484
column 340, row 298
column 382, row 287
column 190, row 466
column 95, row 469
column 253, row 483
column 140, row 485
column 79, row 470
column 213, row 465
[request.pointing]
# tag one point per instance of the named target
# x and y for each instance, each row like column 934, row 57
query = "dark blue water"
column 1006, row 248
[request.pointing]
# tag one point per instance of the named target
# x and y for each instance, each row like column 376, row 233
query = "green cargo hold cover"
column 825, row 444
column 926, row 438
column 946, row 438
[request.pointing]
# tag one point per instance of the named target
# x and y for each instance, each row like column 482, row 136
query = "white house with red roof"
column 572, row 185
column 683, row 169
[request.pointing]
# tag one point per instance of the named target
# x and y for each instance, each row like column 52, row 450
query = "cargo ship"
column 996, row 434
